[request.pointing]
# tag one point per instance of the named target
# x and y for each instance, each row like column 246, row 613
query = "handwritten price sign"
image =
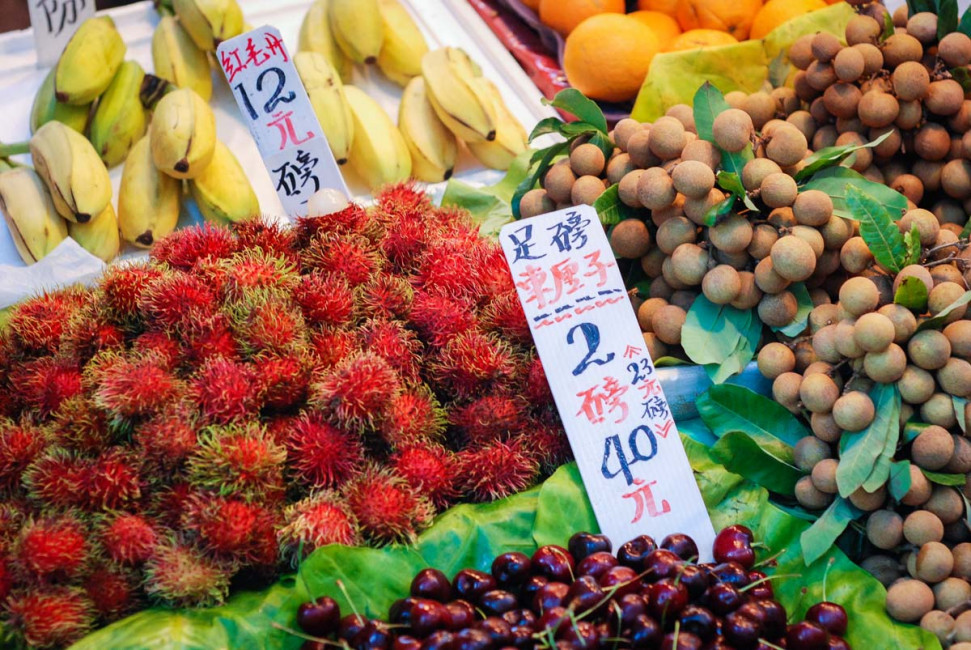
column 274, row 103
column 612, row 405
column 54, row 22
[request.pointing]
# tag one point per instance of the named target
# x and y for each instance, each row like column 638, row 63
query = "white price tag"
column 613, row 408
column 274, row 103
column 54, row 22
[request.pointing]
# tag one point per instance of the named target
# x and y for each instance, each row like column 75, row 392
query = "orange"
column 532, row 4
column 664, row 26
column 732, row 16
column 776, row 12
column 607, row 56
column 565, row 15
column 695, row 38
column 669, row 7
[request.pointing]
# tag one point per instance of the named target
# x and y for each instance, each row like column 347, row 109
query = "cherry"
column 632, row 553
column 837, row 643
column 373, row 636
column 511, row 569
column 461, row 614
column 472, row 638
column 530, row 588
column 583, row 544
column 644, row 633
column 718, row 643
column 400, row 611
column 740, row 630
column 620, row 580
column 734, row 544
column 660, row 564
column 596, row 564
column 553, row 562
column 522, row 637
column 499, row 631
column 427, row 616
column 550, row 595
column 731, row 572
column 681, row 641
column 807, row 636
column 441, row 640
column 681, row 545
column 405, row 642
column 630, row 607
column 699, row 621
column 350, row 625
column 555, row 619
column 773, row 618
column 581, row 633
column 432, row 584
column 497, row 602
column 666, row 599
column 722, row 598
column 470, row 584
column 763, row 590
column 585, row 594
column 520, row 617
column 320, row 617
column 830, row 616
column 696, row 579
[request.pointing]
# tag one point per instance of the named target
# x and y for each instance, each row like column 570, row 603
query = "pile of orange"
column 608, row 52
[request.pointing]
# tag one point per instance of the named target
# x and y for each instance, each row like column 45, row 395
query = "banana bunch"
column 379, row 153
column 459, row 100
column 89, row 62
column 432, row 146
column 29, row 212
column 46, row 108
column 119, row 119
column 222, row 191
column 148, row 200
column 403, row 47
column 178, row 59
column 327, row 97
column 357, row 28
column 72, row 170
column 209, row 22
column 183, row 133
column 511, row 137
column 316, row 36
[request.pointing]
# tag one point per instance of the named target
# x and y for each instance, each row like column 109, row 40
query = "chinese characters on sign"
column 621, row 429
column 54, row 22
column 273, row 101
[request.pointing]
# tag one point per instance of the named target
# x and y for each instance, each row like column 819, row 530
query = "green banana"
column 148, row 200
column 326, row 94
column 210, row 22
column 460, row 102
column 510, row 135
column 404, row 46
column 183, row 134
column 316, row 36
column 432, row 146
column 222, row 191
column 357, row 28
column 178, row 59
column 379, row 153
column 29, row 211
column 119, row 119
column 73, row 171
column 89, row 62
column 98, row 236
column 46, row 108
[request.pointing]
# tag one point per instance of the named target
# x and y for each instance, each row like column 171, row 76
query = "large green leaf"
column 573, row 102
column 728, row 407
column 822, row 535
column 611, row 209
column 831, row 156
column 489, row 206
column 937, row 322
column 714, row 334
column 765, row 463
column 836, row 181
column 539, row 162
column 708, row 103
column 947, row 17
column 877, row 228
column 860, row 452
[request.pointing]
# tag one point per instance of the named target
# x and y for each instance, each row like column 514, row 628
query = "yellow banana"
column 89, row 62
column 222, row 191
column 432, row 146
column 98, row 236
column 510, row 135
column 73, row 171
column 27, row 208
column 316, row 36
column 461, row 103
column 379, row 153
column 178, row 59
column 183, row 134
column 148, row 200
column 326, row 94
column 46, row 108
column 404, row 46
column 119, row 119
column 210, row 22
column 357, row 28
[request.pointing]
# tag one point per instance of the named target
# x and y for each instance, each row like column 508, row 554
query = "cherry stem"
column 771, row 558
column 14, row 149
column 304, row 636
column 829, row 565
column 771, row 645
column 768, row 579
column 347, row 596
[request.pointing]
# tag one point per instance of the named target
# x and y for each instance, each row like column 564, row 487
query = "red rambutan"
column 325, row 299
column 405, row 239
column 492, row 270
column 232, row 528
column 53, row 547
column 128, row 538
column 185, row 246
column 387, row 507
column 429, row 469
column 254, row 270
column 133, row 387
column 359, row 391
column 331, row 346
column 226, row 391
column 285, row 379
column 178, row 575
column 445, row 268
column 80, row 426
column 159, row 345
column 354, row 219
column 489, row 418
column 209, row 338
column 13, row 513
column 268, row 324
column 496, row 471
column 318, row 520
column 439, row 319
column 504, row 315
column 169, row 502
column 386, row 296
column 547, row 442
column 470, row 362
column 536, row 388
column 242, row 461
column 112, row 591
column 46, row 382
column 57, row 478
column 50, row 616
column 89, row 332
column 167, row 438
column 320, row 454
column 350, row 256
column 20, row 445
column 114, row 480
column 413, row 416
column 37, row 324
column 272, row 238
column 121, row 288
column 399, row 346
column 6, row 579
column 176, row 299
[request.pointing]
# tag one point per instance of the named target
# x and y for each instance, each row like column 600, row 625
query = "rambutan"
column 239, row 460
column 89, row 332
column 350, row 256
column 359, row 391
column 267, row 324
column 386, row 296
column 114, row 480
column 46, row 382
column 112, row 591
column 413, row 416
column 399, row 346
column 53, row 547
column 439, row 319
column 20, row 445
column 354, row 219
column 547, row 442
column 6, row 579
column 398, row 199
column 209, row 338
column 429, row 469
column 121, row 288
column 50, row 616
column 405, row 239
column 254, row 270
column 496, row 471
column 445, row 268
column 272, row 238
column 537, row 387
column 232, row 528
column 226, row 391
column 504, row 315
column 321, row 455
column 318, row 520
column 284, row 378
column 167, row 438
column 185, row 246
column 133, row 387
column 325, row 299
column 176, row 299
column 79, row 425
column 387, row 507
column 128, row 538
column 169, row 502
column 160, row 346
column 472, row 361
column 57, row 478
column 13, row 514
column 178, row 575
column 37, row 324
column 489, row 418
column 331, row 346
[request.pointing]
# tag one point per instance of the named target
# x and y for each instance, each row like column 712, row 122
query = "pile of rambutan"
column 209, row 418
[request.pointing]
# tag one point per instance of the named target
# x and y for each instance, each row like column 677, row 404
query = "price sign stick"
column 54, row 22
column 606, row 389
column 275, row 105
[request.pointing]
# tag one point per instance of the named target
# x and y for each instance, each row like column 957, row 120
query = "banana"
column 183, row 134
column 404, row 46
column 460, row 102
column 148, row 200
column 98, row 236
column 119, row 119
column 73, row 171
column 316, row 36
column 222, row 191
column 510, row 135
column 357, row 28
column 326, row 94
column 210, row 22
column 178, row 59
column 432, row 146
column 379, row 153
column 29, row 211
column 89, row 62
column 46, row 108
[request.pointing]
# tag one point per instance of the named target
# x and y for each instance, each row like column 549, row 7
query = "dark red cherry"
column 699, row 621
column 695, row 579
column 837, row 643
column 497, row 602
column 461, row 614
column 585, row 594
column 666, row 599
column 527, row 593
column 522, row 637
column 681, row 641
column 681, row 545
column 373, row 636
column 661, row 564
column 632, row 553
column 596, row 564
column 350, row 625
column 619, row 581
column 830, row 616
column 470, row 584
column 400, row 611
column 428, row 616
column 734, row 544
column 405, row 642
column 722, row 598
column 731, row 572
column 741, row 631
column 581, row 633
column 511, row 569
column 520, row 617
column 773, row 619
column 499, row 631
column 441, row 640
column 550, row 595
column 553, row 562
column 761, row 591
column 807, row 635
column 718, row 643
column 555, row 619
column 644, row 633
column 630, row 607
column 432, row 584
column 320, row 617
column 583, row 544
column 472, row 638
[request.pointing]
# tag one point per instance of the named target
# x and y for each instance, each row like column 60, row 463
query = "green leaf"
column 912, row 430
column 668, row 362
column 732, row 182
column 714, row 334
column 912, row 294
column 878, row 230
column 611, row 209
column 805, row 305
column 603, row 142
column 959, row 403
column 573, row 102
column 836, row 181
column 489, row 206
column 888, row 27
column 947, row 17
column 860, row 452
column 728, row 407
column 966, row 231
column 718, row 210
column 831, row 156
column 944, row 479
column 912, row 242
column 708, row 103
column 917, row 6
column 820, row 537
column 761, row 463
column 963, row 77
column 936, row 322
column 542, row 159
column 899, row 482
column 965, row 25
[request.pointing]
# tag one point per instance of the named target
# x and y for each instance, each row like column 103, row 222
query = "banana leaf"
column 471, row 535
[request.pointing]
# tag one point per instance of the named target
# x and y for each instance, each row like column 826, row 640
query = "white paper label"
column 613, row 408
column 54, row 22
column 274, row 103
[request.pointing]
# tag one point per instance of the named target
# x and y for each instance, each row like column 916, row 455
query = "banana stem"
column 14, row 149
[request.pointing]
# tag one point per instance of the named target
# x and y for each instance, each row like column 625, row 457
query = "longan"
column 939, row 410
column 950, row 593
column 900, row 48
column 934, row 562
column 775, row 359
column 618, row 167
column 535, row 202
column 859, row 295
column 960, row 462
column 639, row 149
column 818, row 393
column 732, row 234
column 932, row 448
column 929, row 349
column 956, row 179
column 820, row 76
column 587, row 160
column 910, row 186
column 955, row 50
column 835, row 232
column 825, row 428
column 763, row 236
column 910, row 115
column 801, row 52
column 887, row 366
column 958, row 335
column 842, row 99
column 793, row 259
column 558, row 183
column 778, row 190
column 882, row 567
column 862, row 29
column 824, row 46
column 630, row 239
column 873, row 332
column 756, row 170
column 683, row 298
column 955, row 377
column 697, row 209
column 823, row 315
column 667, row 323
column 586, row 190
column 693, row 179
column 667, row 138
column 855, row 255
column 778, row 310
column 684, row 114
column 920, row 488
column 809, row 497
column 932, row 142
column 854, row 411
column 690, row 263
column 946, row 503
column 786, row 146
column 944, row 97
column 885, row 529
column 862, row 159
column 923, row 27
column 910, row 81
column 627, row 188
column 646, row 311
column 674, row 232
column 767, row 279
column 909, row 600
column 733, row 129
column 655, row 347
column 785, row 390
column 872, row 58
column 824, row 343
column 916, row 385
column 703, row 152
column 812, row 208
column 869, row 501
column 942, row 296
column 877, row 109
column 921, row 527
column 655, row 189
column 721, row 285
column 623, row 130
column 810, row 450
column 761, row 107
column 803, row 121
